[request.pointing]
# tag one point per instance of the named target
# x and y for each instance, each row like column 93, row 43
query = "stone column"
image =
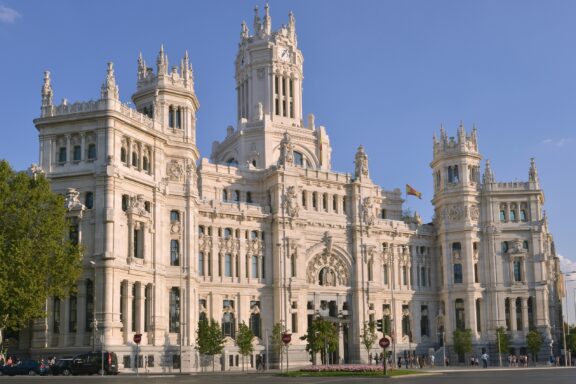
column 139, row 307
column 512, row 302
column 81, row 313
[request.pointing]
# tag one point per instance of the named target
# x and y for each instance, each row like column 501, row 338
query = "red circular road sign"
column 384, row 342
column 286, row 338
column 137, row 338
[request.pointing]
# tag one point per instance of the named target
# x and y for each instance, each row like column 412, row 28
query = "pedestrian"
column 432, row 360
column 484, row 358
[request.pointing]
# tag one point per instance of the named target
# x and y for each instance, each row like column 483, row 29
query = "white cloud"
column 557, row 142
column 566, row 264
column 8, row 15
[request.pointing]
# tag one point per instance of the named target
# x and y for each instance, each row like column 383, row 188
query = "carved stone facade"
column 264, row 232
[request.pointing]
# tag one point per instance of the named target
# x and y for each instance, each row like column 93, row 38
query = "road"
column 485, row 376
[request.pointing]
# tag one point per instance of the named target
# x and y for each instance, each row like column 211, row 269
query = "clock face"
column 284, row 54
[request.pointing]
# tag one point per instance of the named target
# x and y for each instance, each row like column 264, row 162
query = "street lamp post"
column 94, row 321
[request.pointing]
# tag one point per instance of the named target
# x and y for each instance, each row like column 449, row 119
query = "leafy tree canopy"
column 37, row 260
column 503, row 339
column 462, row 341
column 534, row 342
column 244, row 339
column 209, row 339
column 321, row 334
column 368, row 336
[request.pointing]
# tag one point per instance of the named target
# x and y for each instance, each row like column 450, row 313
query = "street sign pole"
column 286, row 339
column 137, row 339
column 384, row 343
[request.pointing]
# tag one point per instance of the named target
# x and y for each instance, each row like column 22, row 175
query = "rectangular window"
column 502, row 216
column 73, row 314
column 174, row 252
column 504, row 246
column 91, row 151
column 478, row 316
column 424, row 324
column 228, row 265
column 174, row 315
column 255, row 266
column 77, row 153
column 523, row 215
column 295, row 322
column 386, row 273
column 404, row 275
column 56, row 315
column 174, row 216
column 476, row 278
column 201, row 264
column 138, row 243
column 457, row 273
column 62, row 155
column 249, row 197
column 517, row 270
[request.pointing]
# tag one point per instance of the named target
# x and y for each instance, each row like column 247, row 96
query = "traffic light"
column 379, row 326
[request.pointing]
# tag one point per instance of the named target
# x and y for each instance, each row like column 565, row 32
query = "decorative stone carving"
column 327, row 269
column 72, row 201
column 361, row 163
column 453, row 213
column 137, row 205
column 291, row 202
column 174, row 170
column 327, row 239
column 368, row 215
column 286, row 151
column 474, row 212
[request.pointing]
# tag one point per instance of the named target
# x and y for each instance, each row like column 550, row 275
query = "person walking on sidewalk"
column 484, row 358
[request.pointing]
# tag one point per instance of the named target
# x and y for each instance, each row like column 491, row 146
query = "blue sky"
column 385, row 74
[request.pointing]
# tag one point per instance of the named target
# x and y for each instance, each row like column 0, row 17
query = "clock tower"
column 268, row 73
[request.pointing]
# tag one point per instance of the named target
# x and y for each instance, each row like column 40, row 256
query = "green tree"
column 244, row 339
column 37, row 259
column 276, row 343
column 462, row 342
column 534, row 342
column 368, row 336
column 571, row 340
column 209, row 339
column 322, row 336
column 503, row 340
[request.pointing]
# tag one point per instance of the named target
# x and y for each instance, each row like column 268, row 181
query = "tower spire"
column 142, row 70
column 267, row 20
column 257, row 24
column 244, row 33
column 109, row 88
column 292, row 26
column 488, row 175
column 162, row 62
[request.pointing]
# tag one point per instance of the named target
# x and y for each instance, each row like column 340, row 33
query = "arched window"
column 255, row 324
column 314, row 200
column 304, row 199
column 178, row 117
column 145, row 164
column 523, row 215
column 175, row 216
column 228, row 325
column 512, row 215
column 456, row 250
column 450, row 175
column 460, row 314
column 325, row 202
column 227, row 233
column 456, row 175
column 232, row 161
column 298, row 159
column 134, row 159
column 171, row 116
column 123, row 155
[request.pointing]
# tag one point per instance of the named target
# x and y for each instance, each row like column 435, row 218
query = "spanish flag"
column 413, row 192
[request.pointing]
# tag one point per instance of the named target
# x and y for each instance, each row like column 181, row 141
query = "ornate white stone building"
column 264, row 232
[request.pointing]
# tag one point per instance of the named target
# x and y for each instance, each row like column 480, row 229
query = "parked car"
column 91, row 363
column 62, row 367
column 25, row 367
